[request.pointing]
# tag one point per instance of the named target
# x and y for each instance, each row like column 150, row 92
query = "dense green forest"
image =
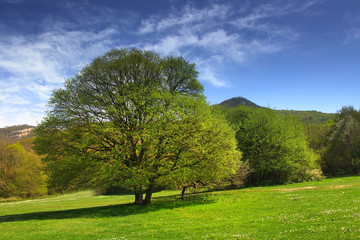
column 145, row 125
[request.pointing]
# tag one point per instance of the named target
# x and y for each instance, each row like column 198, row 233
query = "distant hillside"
column 309, row 116
column 303, row 116
column 237, row 101
column 17, row 132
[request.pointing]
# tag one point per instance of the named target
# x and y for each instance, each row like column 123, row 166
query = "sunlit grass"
column 327, row 209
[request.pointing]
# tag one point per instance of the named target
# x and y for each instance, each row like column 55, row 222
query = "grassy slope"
column 327, row 209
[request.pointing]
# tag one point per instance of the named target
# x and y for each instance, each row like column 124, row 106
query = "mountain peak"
column 237, row 101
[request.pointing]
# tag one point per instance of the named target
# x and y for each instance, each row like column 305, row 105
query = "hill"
column 303, row 116
column 17, row 132
column 309, row 116
column 237, row 101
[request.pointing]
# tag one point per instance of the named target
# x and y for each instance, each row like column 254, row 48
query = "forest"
column 135, row 121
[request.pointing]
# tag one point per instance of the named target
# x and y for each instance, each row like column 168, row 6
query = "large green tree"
column 274, row 146
column 342, row 156
column 133, row 119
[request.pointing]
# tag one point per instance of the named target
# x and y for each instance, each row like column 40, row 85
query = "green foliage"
column 21, row 173
column 315, row 125
column 312, row 117
column 206, row 148
column 135, row 120
column 316, row 135
column 274, row 146
column 342, row 156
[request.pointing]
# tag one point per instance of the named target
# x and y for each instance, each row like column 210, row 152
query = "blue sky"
column 286, row 54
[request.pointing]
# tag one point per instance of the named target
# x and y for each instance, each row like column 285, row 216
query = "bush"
column 274, row 146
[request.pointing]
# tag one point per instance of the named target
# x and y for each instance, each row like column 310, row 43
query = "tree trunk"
column 138, row 196
column 149, row 193
column 183, row 193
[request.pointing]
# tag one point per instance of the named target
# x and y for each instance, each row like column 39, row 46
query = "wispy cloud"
column 188, row 15
column 207, row 73
column 10, row 116
column 36, row 64
column 234, row 33
column 49, row 57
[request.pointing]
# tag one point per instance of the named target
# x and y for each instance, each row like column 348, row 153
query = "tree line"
column 135, row 120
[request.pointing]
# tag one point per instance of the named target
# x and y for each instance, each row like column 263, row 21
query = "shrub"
column 274, row 146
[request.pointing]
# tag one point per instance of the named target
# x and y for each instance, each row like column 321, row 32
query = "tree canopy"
column 274, row 146
column 21, row 171
column 135, row 119
column 342, row 155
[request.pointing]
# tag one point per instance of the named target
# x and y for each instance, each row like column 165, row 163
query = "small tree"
column 21, row 173
column 342, row 156
column 131, row 118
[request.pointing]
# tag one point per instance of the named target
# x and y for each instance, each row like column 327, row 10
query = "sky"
column 281, row 54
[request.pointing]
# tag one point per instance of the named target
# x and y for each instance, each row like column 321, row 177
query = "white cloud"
column 19, row 100
column 308, row 6
column 40, row 63
column 218, row 45
column 233, row 33
column 32, row 65
column 42, row 91
column 147, row 26
column 207, row 74
column 36, row 64
column 29, row 60
column 10, row 116
column 188, row 15
column 216, row 39
column 259, row 21
column 168, row 45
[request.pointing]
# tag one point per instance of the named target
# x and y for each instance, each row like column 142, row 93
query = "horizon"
column 211, row 105
column 282, row 55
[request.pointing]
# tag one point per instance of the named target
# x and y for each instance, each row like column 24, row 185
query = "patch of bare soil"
column 340, row 186
column 295, row 189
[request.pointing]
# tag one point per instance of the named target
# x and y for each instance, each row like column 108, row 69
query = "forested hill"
column 309, row 116
column 17, row 132
column 237, row 101
column 304, row 116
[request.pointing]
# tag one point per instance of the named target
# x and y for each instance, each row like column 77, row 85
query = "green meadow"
column 327, row 209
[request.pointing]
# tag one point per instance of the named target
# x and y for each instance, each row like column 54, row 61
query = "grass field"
column 328, row 209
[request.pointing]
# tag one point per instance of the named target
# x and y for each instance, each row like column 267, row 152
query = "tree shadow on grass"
column 120, row 210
